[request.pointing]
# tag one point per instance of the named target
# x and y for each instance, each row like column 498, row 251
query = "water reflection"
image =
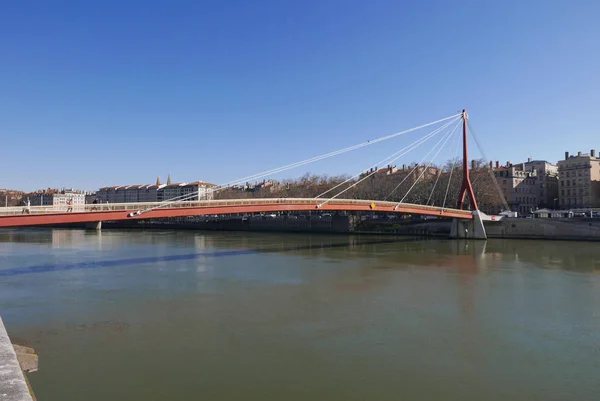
column 172, row 314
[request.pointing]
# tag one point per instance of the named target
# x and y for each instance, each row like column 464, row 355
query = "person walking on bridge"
column 27, row 208
column 70, row 203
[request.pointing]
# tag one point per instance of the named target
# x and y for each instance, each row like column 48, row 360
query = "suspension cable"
column 335, row 153
column 297, row 164
column 439, row 175
column 428, row 165
column 404, row 152
column 451, row 171
column 504, row 202
column 390, row 158
column 412, row 171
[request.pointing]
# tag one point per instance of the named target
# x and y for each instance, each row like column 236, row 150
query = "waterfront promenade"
column 13, row 386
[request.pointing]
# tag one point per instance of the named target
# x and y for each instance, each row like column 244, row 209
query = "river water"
column 177, row 315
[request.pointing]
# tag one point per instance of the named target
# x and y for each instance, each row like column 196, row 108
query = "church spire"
column 169, row 179
column 158, row 180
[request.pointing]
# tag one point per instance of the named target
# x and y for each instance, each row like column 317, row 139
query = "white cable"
column 395, row 158
column 451, row 171
column 389, row 158
column 428, row 165
column 505, row 203
column 439, row 175
column 334, row 153
column 298, row 164
column 414, row 168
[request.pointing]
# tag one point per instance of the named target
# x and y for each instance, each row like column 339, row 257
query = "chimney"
column 566, row 155
column 472, row 164
column 491, row 164
column 403, row 167
column 497, row 164
column 593, row 153
column 578, row 154
column 507, row 164
column 529, row 160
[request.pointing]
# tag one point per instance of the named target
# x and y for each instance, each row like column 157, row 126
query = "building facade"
column 185, row 191
column 579, row 177
column 55, row 197
column 10, row 197
column 528, row 186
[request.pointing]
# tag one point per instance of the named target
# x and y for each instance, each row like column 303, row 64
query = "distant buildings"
column 528, row 186
column 56, row 197
column 415, row 171
column 188, row 191
column 579, row 180
column 10, row 197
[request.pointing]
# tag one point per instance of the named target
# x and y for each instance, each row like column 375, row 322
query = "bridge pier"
column 468, row 229
column 94, row 225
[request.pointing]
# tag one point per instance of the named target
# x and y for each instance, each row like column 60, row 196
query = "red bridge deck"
column 44, row 215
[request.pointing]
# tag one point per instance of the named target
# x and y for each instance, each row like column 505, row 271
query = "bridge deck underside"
column 185, row 209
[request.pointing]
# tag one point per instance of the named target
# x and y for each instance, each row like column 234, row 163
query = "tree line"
column 436, row 186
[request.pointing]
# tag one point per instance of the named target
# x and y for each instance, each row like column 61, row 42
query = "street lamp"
column 555, row 199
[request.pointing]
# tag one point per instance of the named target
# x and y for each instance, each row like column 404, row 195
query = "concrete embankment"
column 580, row 229
column 13, row 384
column 550, row 229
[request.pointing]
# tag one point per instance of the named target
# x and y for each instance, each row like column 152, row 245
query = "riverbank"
column 573, row 229
column 13, row 382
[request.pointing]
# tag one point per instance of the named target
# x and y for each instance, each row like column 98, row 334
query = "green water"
column 177, row 315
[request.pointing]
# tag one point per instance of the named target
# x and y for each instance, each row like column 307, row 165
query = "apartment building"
column 529, row 185
column 579, row 177
column 198, row 190
column 56, row 197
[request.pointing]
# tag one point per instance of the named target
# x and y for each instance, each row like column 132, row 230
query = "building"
column 90, row 197
column 191, row 191
column 547, row 182
column 10, row 197
column 416, row 172
column 56, row 197
column 188, row 191
column 151, row 193
column 579, row 178
column 528, row 186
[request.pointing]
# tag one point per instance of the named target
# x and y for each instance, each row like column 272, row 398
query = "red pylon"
column 466, row 183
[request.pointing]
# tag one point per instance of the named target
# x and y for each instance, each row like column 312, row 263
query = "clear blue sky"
column 117, row 92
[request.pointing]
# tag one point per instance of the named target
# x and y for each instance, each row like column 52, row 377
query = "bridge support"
column 94, row 225
column 469, row 229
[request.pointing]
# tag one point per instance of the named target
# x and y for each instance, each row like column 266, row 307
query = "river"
column 178, row 315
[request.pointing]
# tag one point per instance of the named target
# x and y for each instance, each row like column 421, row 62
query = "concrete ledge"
column 13, row 386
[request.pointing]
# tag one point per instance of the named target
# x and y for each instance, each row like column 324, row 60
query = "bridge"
column 466, row 223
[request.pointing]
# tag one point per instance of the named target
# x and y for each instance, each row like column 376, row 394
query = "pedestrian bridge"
column 91, row 213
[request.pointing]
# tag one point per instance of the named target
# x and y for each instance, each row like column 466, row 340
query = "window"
column 562, row 183
column 562, row 192
column 568, row 174
column 568, row 192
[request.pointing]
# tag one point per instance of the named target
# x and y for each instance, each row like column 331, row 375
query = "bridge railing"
column 105, row 207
